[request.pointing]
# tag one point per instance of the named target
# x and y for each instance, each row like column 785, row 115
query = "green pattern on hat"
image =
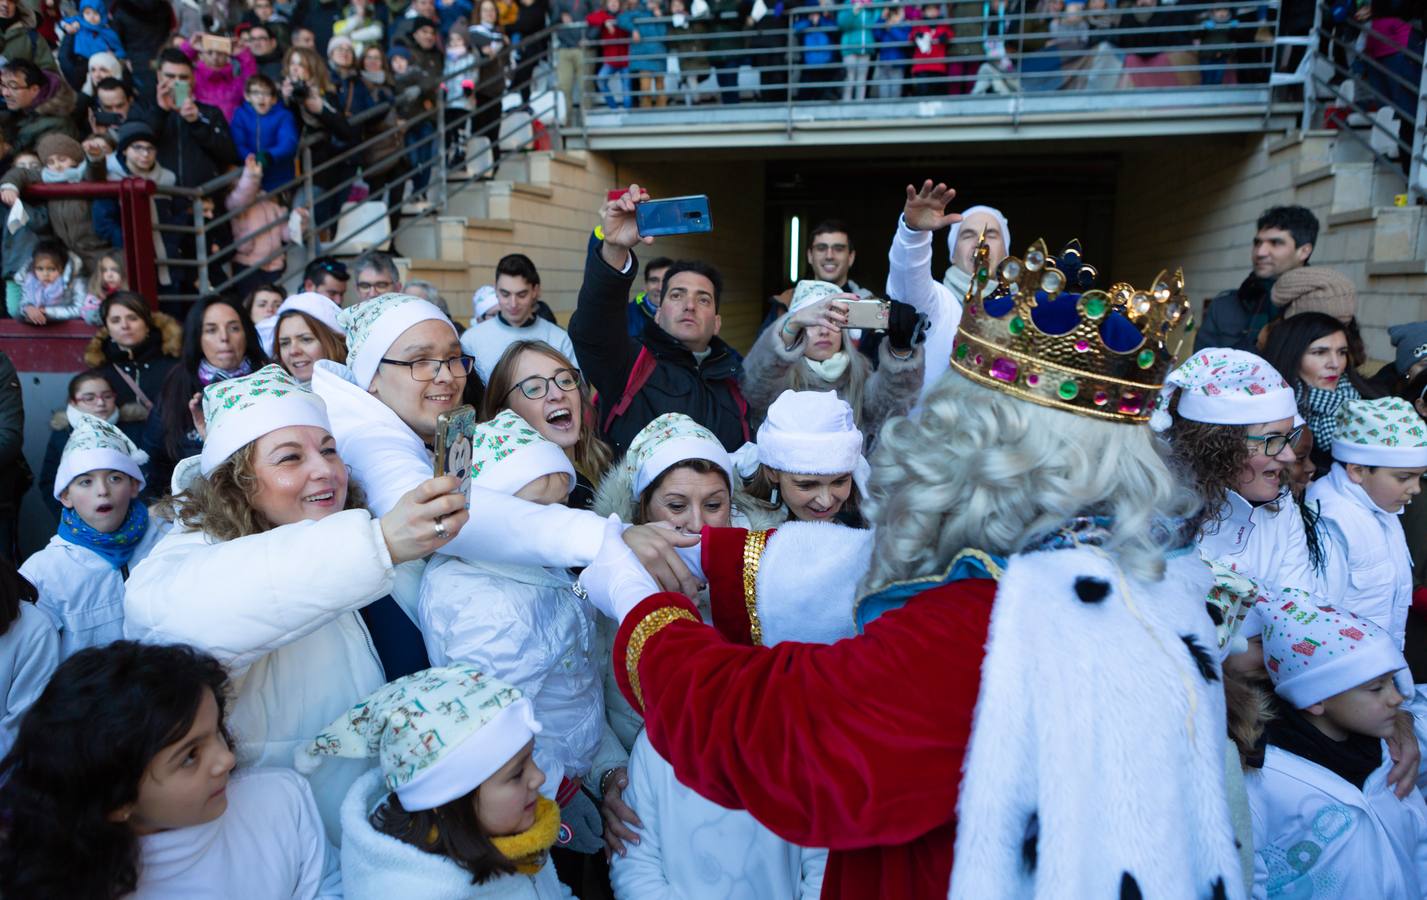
column 93, row 433
column 1387, row 422
column 358, row 320
column 224, row 397
column 499, row 438
column 660, row 431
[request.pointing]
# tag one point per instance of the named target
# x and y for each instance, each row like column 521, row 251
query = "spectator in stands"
column 262, row 302
column 89, row 392
column 71, row 218
column 1216, row 43
column 1149, row 63
column 493, row 48
column 531, row 18
column 309, row 94
column 106, row 279
column 326, row 275
column 37, row 102
column 1283, row 241
column 424, row 42
column 361, row 26
column 45, row 294
column 260, row 230
column 894, row 39
column 316, row 17
column 113, row 102
column 613, row 76
column 101, row 66
column 377, row 274
column 679, row 364
column 262, row 43
column 219, row 74
column 136, row 154
column 89, row 32
column 346, row 82
column 856, row 22
column 264, row 14
column 930, row 40
column 648, row 54
column 645, row 304
column 819, row 74
column 517, row 286
column 569, row 54
column 402, row 28
column 304, row 38
column 307, row 330
column 18, row 37
column 264, row 128
column 134, row 349
column 461, row 70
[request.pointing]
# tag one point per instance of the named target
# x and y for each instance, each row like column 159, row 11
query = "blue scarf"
column 116, row 547
column 209, row 373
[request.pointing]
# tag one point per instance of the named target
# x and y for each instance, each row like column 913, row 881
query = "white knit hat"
column 1385, row 432
column 1316, row 652
column 507, row 454
column 808, row 292
column 374, row 325
column 669, row 440
column 439, row 733
column 1222, row 386
column 484, row 300
column 318, row 306
column 95, row 444
column 971, row 211
column 241, row 410
column 812, row 433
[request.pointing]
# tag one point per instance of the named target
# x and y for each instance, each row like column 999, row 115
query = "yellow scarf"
column 529, row 848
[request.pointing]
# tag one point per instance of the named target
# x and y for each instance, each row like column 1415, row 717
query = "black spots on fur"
column 1201, row 658
column 1217, row 891
column 1130, row 888
column 1029, row 842
column 1091, row 590
column 1215, row 613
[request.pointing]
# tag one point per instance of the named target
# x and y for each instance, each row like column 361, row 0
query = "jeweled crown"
column 1045, row 334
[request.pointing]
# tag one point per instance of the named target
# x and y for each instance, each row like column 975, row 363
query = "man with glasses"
column 376, row 275
column 37, row 102
column 113, row 102
column 327, row 276
column 517, row 288
column 830, row 255
column 261, row 42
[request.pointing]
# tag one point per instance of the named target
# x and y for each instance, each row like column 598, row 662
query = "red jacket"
column 935, row 60
column 614, row 54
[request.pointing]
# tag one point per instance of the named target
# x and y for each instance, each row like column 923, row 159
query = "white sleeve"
column 909, row 272
column 487, row 632
column 639, row 873
column 813, row 863
column 34, row 643
column 241, row 599
column 320, row 873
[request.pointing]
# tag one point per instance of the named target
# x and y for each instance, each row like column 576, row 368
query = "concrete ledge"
column 491, row 224
column 525, row 187
column 1351, row 216
column 1404, row 267
column 1318, row 174
column 571, row 159
column 442, row 265
column 1286, row 142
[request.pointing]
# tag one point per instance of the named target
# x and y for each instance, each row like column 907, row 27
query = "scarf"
column 832, row 368
column 72, row 413
column 529, row 849
column 958, row 282
column 209, row 373
column 69, row 176
column 115, row 547
column 377, row 78
column 1353, row 759
column 37, row 293
column 1321, row 407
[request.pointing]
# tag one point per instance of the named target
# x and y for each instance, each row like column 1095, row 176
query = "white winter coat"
column 1266, row 543
column 909, row 279
column 378, row 867
column 1368, row 565
column 268, row 844
column 280, row 610
column 29, row 654
column 527, row 627
column 1315, row 835
column 81, row 592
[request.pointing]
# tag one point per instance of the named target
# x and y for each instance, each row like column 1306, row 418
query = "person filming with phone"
column 679, row 364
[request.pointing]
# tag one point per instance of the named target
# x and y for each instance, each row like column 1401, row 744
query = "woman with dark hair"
column 1314, row 353
column 135, row 348
column 219, row 342
column 29, row 653
column 314, row 101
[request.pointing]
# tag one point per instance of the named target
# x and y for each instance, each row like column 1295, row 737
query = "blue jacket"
column 275, row 134
column 650, row 53
column 815, row 38
column 901, row 36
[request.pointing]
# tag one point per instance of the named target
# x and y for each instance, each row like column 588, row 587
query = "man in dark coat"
column 1283, row 240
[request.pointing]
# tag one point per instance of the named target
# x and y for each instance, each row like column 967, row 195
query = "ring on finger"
column 441, row 532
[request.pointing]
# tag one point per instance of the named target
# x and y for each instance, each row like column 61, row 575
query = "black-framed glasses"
column 537, row 386
column 380, row 287
column 1274, row 444
column 429, row 369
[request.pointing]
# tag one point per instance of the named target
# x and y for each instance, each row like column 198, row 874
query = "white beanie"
column 483, row 301
column 241, row 410
column 808, row 292
column 1384, row 432
column 1223, row 386
column 994, row 213
column 507, row 454
column 1316, row 652
column 95, row 444
column 669, row 440
column 318, row 306
column 811, row 433
column 372, row 326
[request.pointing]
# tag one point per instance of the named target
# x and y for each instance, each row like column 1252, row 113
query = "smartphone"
column 453, row 445
column 676, row 215
column 872, row 315
column 180, row 94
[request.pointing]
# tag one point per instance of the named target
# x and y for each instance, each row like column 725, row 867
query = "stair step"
column 1403, row 267
column 525, row 187
column 1352, row 216
column 1317, row 173
column 491, row 224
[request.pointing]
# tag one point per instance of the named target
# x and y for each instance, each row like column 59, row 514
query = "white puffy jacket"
column 279, row 609
column 29, row 655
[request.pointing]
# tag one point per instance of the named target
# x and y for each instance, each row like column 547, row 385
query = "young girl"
column 460, row 73
column 104, row 530
column 107, row 279
column 44, row 290
column 262, row 303
column 120, row 784
column 454, row 811
column 29, row 653
column 810, row 459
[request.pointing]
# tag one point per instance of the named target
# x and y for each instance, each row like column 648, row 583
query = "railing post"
column 311, row 237
column 791, row 47
column 438, row 176
column 201, row 238
column 1416, row 190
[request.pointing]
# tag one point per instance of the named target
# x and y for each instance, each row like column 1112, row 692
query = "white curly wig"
column 981, row 469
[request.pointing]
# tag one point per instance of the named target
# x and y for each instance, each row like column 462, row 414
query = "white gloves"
column 616, row 581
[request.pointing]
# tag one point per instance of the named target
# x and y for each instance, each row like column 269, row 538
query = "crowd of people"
column 663, row 624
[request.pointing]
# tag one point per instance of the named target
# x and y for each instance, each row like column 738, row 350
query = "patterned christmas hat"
column 438, row 733
column 812, row 433
column 1316, row 652
column 808, row 292
column 1222, row 386
column 318, row 306
column 374, row 325
column 507, row 454
column 241, row 410
column 1385, row 432
column 95, row 444
column 483, row 301
column 671, row 439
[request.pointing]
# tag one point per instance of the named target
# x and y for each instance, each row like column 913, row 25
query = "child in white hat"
column 104, row 530
column 1326, row 822
column 525, row 624
column 1379, row 458
column 810, row 451
column 454, row 811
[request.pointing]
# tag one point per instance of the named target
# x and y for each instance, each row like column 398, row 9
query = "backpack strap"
column 639, row 375
column 742, row 406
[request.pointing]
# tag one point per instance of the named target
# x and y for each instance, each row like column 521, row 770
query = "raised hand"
column 424, row 519
column 621, row 231
column 925, row 209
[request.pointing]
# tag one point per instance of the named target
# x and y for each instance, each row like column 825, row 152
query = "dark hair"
column 1414, row 388
column 698, row 267
column 761, row 487
column 131, row 301
column 33, row 74
column 113, row 84
column 658, row 262
column 182, row 381
column 1210, row 458
column 52, row 249
column 333, row 344
column 14, row 588
column 701, row 466
column 831, row 226
column 82, row 377
column 1289, row 340
column 517, row 265
column 175, row 56
column 259, row 80
column 1296, row 220
column 81, row 752
column 269, row 288
column 325, row 265
column 457, row 834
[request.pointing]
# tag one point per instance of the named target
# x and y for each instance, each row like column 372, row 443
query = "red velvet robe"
column 856, row 746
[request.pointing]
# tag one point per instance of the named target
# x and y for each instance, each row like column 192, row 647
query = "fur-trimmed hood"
column 615, row 495
column 128, row 412
column 169, row 329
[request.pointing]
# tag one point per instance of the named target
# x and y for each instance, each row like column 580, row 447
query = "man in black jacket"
column 679, row 364
column 1283, row 240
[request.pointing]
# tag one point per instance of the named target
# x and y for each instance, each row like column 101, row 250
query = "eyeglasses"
column 106, row 396
column 428, row 369
column 537, row 386
column 823, row 248
column 380, row 287
column 1274, row 444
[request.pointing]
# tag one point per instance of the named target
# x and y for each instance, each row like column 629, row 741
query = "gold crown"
column 1096, row 353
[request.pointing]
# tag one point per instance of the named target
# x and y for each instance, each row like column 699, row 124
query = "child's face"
column 399, row 65
column 186, row 783
column 46, row 270
column 95, row 397
column 1220, row 14
column 456, row 44
column 425, row 37
column 547, row 490
column 91, row 16
column 101, row 498
column 265, row 304
column 505, row 802
column 28, row 161
column 59, row 162
column 1369, row 709
column 1390, row 488
column 110, row 275
column 260, row 98
column 141, row 156
column 372, row 60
